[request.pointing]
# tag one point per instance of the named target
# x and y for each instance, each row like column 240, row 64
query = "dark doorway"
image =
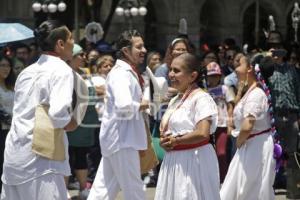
column 150, row 28
column 249, row 25
column 210, row 23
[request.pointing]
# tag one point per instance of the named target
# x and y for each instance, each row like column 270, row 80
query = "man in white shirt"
column 123, row 133
column 49, row 81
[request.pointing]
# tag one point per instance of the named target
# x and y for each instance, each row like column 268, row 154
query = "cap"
column 104, row 47
column 77, row 49
column 213, row 68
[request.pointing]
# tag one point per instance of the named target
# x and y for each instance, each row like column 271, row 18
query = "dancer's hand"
column 229, row 129
column 142, row 153
column 164, row 142
column 230, row 126
column 144, row 105
column 239, row 143
column 100, row 90
column 168, row 142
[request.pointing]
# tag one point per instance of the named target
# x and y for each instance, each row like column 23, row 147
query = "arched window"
column 151, row 27
column 249, row 25
column 210, row 23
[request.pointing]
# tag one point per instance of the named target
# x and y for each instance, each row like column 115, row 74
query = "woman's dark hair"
column 193, row 65
column 150, row 55
column 11, row 78
column 265, row 87
column 295, row 51
column 168, row 57
column 48, row 33
column 267, row 66
column 125, row 40
column 210, row 52
column 217, row 60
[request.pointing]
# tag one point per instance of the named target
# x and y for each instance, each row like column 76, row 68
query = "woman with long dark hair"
column 7, row 81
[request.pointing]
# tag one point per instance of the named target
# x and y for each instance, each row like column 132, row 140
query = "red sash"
column 256, row 134
column 190, row 146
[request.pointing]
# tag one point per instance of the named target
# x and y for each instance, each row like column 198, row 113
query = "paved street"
column 150, row 194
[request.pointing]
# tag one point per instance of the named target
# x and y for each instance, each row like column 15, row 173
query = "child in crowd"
column 224, row 97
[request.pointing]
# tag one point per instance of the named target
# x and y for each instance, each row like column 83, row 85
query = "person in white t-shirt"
column 27, row 175
column 224, row 98
column 123, row 132
column 104, row 65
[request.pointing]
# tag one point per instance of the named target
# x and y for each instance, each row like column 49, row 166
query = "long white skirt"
column 251, row 172
column 189, row 175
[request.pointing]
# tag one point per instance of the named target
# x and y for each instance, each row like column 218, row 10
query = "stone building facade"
column 209, row 21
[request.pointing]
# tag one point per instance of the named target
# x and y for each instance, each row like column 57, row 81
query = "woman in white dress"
column 190, row 167
column 252, row 170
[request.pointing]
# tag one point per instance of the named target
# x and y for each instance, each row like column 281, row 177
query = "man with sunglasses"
column 285, row 91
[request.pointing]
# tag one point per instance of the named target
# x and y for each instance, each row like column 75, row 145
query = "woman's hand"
column 230, row 126
column 240, row 90
column 229, row 129
column 142, row 153
column 100, row 90
column 167, row 142
column 239, row 143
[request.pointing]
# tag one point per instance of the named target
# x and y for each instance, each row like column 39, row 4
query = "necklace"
column 166, row 119
column 186, row 94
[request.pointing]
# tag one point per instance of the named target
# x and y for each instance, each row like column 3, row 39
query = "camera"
column 279, row 53
column 5, row 117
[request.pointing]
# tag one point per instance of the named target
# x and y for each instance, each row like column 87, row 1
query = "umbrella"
column 10, row 32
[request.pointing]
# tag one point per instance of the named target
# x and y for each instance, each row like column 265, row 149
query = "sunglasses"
column 80, row 54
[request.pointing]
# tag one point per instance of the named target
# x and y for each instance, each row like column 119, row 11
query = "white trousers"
column 47, row 187
column 120, row 171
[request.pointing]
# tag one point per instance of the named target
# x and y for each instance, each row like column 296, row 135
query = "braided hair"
column 264, row 86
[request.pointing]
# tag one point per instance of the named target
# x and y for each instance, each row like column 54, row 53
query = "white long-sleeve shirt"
column 122, row 123
column 48, row 81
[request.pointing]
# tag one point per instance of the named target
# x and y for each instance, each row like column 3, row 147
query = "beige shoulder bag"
column 47, row 141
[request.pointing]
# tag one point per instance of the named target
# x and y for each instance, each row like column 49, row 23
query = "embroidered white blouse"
column 254, row 103
column 184, row 119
